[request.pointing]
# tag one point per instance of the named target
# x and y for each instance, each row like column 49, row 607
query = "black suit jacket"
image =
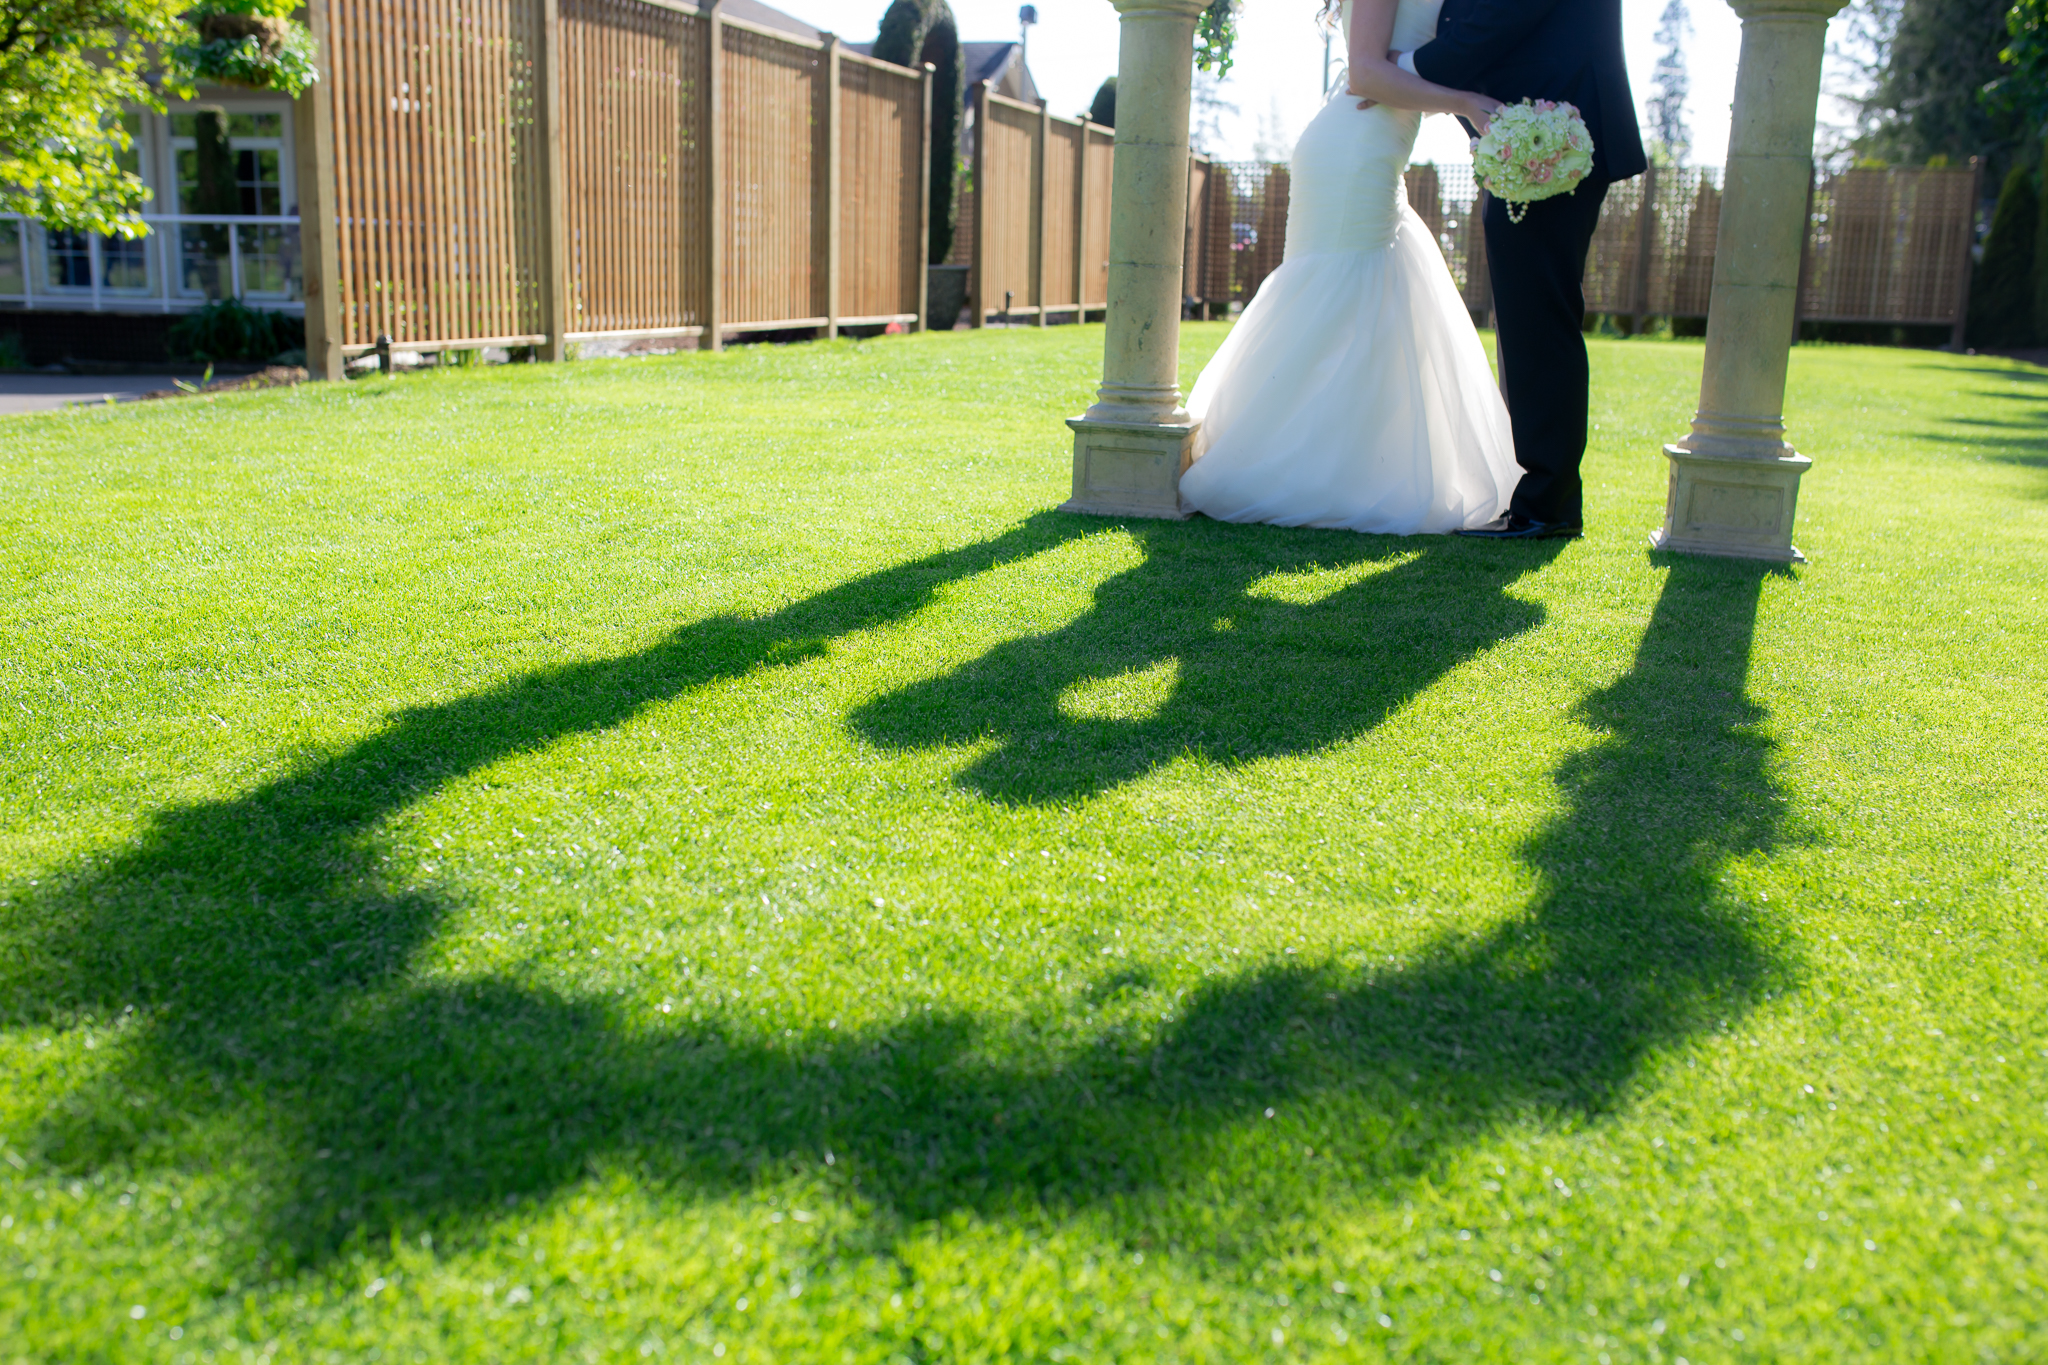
column 1544, row 49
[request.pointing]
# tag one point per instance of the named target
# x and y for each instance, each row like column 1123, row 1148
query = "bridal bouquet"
column 1531, row 151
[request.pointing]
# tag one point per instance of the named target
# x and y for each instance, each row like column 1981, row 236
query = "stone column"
column 1130, row 447
column 1734, row 480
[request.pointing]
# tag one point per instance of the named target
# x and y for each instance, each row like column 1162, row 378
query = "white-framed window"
column 233, row 160
column 226, row 159
column 69, row 260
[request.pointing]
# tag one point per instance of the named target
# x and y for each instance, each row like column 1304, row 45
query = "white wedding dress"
column 1353, row 391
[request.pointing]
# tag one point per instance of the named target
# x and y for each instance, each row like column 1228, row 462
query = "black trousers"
column 1539, row 304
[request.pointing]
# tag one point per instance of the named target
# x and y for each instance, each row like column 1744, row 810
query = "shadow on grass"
column 270, row 966
column 1249, row 673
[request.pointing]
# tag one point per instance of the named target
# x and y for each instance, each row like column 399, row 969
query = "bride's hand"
column 1481, row 112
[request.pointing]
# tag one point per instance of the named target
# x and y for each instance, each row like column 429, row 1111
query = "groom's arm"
column 1481, row 36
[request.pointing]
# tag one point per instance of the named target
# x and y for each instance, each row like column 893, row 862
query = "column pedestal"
column 1129, row 469
column 1733, row 505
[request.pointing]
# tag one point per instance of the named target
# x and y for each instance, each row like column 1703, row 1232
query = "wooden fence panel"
column 772, row 133
column 881, row 160
column 1061, row 288
column 1101, row 176
column 1007, row 208
column 437, row 169
column 634, row 182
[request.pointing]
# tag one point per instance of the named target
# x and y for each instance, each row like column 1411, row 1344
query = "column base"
column 1735, row 506
column 1129, row 469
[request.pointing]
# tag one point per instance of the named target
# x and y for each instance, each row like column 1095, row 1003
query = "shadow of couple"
column 268, row 961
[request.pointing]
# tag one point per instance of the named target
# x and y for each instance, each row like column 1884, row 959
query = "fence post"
column 319, row 251
column 832, row 187
column 1042, row 163
column 713, row 208
column 1646, row 236
column 1956, row 339
column 554, row 263
column 924, row 213
column 978, row 277
column 1081, row 224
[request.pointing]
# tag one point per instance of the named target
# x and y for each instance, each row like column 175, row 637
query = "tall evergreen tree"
column 914, row 32
column 1671, row 83
column 2002, row 289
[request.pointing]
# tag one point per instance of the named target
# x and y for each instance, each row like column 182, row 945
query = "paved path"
column 41, row 392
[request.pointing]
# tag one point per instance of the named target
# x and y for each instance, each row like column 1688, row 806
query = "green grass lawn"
column 692, row 859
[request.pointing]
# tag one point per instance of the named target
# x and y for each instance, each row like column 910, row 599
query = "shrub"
column 228, row 329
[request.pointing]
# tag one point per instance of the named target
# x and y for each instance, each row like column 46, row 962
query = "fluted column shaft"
column 1148, row 208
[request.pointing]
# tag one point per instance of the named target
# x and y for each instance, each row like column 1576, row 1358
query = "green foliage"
column 1216, row 37
column 2023, row 90
column 1934, row 60
column 13, row 355
column 2002, row 289
column 592, row 863
column 67, row 70
column 228, row 329
column 236, row 46
column 914, row 32
column 1102, row 109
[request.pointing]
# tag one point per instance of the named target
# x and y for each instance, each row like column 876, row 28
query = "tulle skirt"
column 1353, row 391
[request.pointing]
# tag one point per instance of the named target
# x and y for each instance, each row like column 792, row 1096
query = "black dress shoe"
column 1513, row 526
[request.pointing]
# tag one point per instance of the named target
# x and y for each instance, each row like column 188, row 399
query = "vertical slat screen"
column 1009, row 200
column 1101, row 172
column 436, row 168
column 772, row 133
column 881, row 160
column 1061, row 290
column 632, row 137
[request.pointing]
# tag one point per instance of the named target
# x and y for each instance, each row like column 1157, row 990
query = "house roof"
column 994, row 62
column 754, row 12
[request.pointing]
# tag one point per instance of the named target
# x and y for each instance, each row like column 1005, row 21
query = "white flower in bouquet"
column 1533, row 150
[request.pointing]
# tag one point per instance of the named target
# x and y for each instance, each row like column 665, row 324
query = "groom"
column 1558, row 50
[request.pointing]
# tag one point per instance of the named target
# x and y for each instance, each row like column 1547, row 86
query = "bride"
column 1353, row 391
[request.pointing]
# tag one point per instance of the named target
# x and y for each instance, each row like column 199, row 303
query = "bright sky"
column 1279, row 69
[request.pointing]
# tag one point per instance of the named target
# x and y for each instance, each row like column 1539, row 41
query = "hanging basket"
column 255, row 51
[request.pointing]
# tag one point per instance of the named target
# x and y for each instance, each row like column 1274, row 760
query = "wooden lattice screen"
column 1890, row 246
column 1884, row 246
column 544, row 172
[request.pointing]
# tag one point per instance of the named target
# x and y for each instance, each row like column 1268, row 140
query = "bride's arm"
column 1377, row 80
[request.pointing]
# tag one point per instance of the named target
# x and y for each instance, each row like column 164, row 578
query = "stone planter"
column 945, row 296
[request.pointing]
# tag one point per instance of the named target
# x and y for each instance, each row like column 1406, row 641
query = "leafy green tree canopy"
column 67, row 70
column 2022, row 91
